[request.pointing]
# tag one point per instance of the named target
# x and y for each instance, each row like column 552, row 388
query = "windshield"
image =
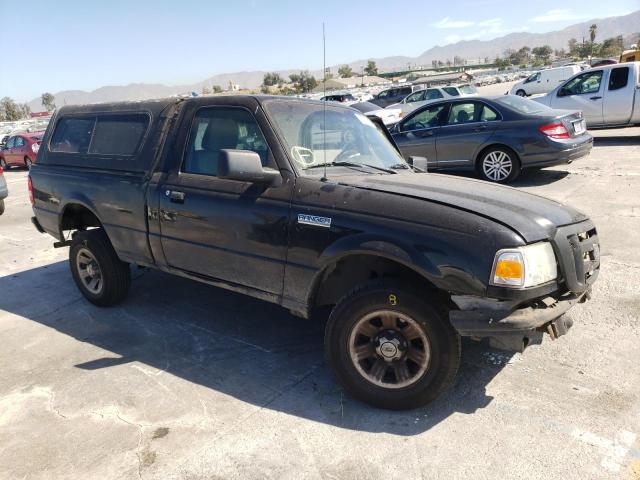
column 467, row 89
column 522, row 105
column 316, row 136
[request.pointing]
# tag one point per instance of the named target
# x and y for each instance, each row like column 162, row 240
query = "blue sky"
column 64, row 45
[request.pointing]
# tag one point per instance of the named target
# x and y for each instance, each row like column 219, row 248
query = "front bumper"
column 510, row 326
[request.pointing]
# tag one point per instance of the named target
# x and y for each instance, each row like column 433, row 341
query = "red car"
column 21, row 149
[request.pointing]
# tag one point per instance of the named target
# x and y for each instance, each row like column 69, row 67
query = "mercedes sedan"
column 496, row 136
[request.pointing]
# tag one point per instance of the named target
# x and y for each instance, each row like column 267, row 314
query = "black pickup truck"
column 310, row 205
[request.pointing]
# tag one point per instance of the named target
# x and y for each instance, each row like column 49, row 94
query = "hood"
column 533, row 217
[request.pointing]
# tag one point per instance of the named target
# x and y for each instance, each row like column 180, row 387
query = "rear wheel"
column 499, row 165
column 100, row 275
column 391, row 347
column 27, row 162
column 521, row 93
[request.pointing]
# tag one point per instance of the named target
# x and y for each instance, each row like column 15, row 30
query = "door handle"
column 596, row 98
column 480, row 128
column 175, row 196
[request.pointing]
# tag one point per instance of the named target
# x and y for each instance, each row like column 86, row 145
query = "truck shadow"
column 253, row 351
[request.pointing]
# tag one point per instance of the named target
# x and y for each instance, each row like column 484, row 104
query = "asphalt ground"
column 183, row 380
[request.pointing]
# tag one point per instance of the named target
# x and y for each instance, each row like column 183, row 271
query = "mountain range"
column 626, row 25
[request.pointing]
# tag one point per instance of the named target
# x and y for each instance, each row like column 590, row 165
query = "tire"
column 93, row 249
column 1, row 206
column 27, row 162
column 521, row 93
column 498, row 164
column 344, row 341
column 3, row 163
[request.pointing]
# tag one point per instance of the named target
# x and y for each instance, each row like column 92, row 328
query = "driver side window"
column 427, row 118
column 214, row 129
column 588, row 82
column 533, row 78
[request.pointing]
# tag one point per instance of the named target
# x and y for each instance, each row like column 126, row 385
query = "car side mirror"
column 418, row 162
column 245, row 166
column 562, row 92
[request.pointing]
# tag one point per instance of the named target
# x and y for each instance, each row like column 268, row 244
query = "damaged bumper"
column 512, row 327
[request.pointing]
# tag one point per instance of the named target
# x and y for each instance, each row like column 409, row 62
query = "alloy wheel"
column 89, row 271
column 497, row 165
column 389, row 349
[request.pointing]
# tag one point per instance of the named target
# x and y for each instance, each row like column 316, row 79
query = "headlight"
column 524, row 266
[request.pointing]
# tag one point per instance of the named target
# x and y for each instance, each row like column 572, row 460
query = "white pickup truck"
column 608, row 96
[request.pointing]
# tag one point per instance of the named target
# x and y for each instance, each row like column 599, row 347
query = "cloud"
column 446, row 22
column 558, row 15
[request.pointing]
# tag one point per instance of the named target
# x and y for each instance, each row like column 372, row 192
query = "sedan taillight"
column 555, row 130
column 30, row 186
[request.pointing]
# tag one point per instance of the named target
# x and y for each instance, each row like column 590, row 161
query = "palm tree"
column 592, row 35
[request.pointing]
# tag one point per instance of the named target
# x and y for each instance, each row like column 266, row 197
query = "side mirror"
column 562, row 92
column 245, row 166
column 418, row 162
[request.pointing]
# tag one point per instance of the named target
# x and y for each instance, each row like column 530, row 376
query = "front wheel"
column 521, row 93
column 499, row 165
column 391, row 347
column 27, row 162
column 100, row 275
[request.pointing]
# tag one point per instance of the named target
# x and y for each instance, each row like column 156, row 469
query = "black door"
column 416, row 136
column 227, row 230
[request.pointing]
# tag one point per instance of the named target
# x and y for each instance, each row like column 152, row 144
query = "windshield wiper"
column 352, row 164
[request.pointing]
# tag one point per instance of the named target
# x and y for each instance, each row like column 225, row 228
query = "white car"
column 543, row 81
column 422, row 97
column 389, row 116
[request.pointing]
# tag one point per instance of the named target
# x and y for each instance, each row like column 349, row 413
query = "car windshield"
column 467, row 89
column 340, row 138
column 522, row 105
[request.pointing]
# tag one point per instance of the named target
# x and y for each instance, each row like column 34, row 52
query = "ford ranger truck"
column 310, row 205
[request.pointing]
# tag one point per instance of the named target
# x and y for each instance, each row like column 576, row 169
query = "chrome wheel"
column 389, row 349
column 497, row 166
column 89, row 271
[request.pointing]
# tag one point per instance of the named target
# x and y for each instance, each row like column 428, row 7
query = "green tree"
column 371, row 69
column 271, row 79
column 345, row 71
column 9, row 110
column 542, row 53
column 217, row 89
column 611, row 47
column 25, row 110
column 303, row 82
column 48, row 101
